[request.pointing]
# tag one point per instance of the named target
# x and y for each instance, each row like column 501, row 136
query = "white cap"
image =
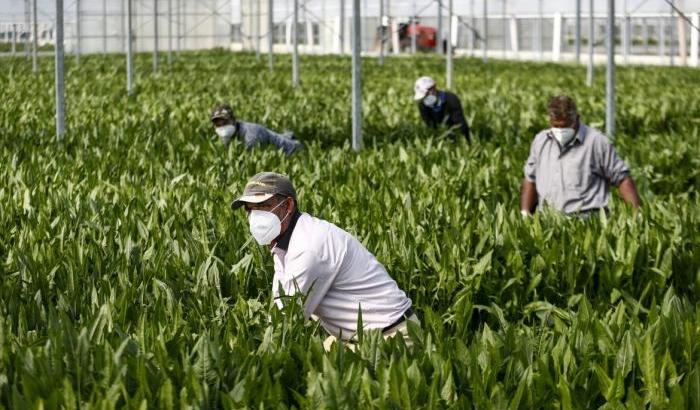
column 423, row 84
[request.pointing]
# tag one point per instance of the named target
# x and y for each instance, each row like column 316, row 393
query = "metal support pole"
column 645, row 35
column 155, row 36
column 104, row 26
column 178, row 7
column 257, row 29
column 27, row 18
column 14, row 39
column 413, row 29
column 77, row 31
column 356, row 77
column 540, row 31
column 341, row 29
column 625, row 30
column 504, row 29
column 672, row 37
column 449, row 46
column 129, row 50
column 610, row 72
column 662, row 37
column 60, row 102
column 682, row 46
column 381, row 32
column 35, row 42
column 295, row 42
column 485, row 33
column 170, row 32
column 577, row 41
column 472, row 22
column 438, row 34
column 270, row 33
column 591, row 43
column 628, row 37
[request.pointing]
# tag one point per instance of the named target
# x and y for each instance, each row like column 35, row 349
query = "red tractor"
column 425, row 36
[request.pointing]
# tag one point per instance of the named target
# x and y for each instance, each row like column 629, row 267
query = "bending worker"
column 316, row 258
column 439, row 107
column 571, row 166
column 227, row 127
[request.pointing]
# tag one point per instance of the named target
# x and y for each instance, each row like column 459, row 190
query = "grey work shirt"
column 576, row 177
column 252, row 134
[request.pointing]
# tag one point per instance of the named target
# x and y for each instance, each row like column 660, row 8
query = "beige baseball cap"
column 263, row 186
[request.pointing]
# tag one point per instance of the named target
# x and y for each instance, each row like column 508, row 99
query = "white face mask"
column 429, row 100
column 225, row 132
column 264, row 225
column 563, row 135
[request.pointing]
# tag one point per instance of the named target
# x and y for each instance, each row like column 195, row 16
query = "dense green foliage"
column 126, row 279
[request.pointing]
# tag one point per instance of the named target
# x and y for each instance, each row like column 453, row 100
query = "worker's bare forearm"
column 628, row 191
column 528, row 196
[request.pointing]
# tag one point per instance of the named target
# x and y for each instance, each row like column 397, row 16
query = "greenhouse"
column 350, row 204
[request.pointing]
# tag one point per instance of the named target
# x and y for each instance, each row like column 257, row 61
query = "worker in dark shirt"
column 440, row 107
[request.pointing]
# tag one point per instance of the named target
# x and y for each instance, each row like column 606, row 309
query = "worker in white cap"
column 440, row 108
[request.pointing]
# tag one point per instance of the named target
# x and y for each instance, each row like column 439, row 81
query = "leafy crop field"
column 126, row 280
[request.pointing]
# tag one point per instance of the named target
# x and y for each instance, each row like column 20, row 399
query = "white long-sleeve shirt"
column 338, row 275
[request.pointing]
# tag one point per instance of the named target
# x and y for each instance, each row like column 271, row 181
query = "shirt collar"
column 283, row 240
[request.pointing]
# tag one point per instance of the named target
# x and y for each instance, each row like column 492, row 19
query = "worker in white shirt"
column 338, row 275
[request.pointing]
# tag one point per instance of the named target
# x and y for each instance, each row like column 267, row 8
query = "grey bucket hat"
column 263, row 186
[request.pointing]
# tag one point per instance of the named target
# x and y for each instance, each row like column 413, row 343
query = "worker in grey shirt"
column 228, row 127
column 571, row 166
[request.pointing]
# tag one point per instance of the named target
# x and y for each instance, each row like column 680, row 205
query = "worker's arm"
column 528, row 196
column 457, row 116
column 628, row 191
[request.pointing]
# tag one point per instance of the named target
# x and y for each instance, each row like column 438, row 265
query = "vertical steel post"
column 577, row 41
column 27, row 19
column 413, row 29
column 14, row 39
column 625, row 29
column 449, row 45
column 662, row 37
column 270, row 34
column 504, row 29
column 438, row 34
column 257, row 29
column 295, row 42
column 178, row 7
column 129, row 50
column 77, row 31
column 672, row 38
column 170, row 32
column 155, row 36
column 540, row 31
column 472, row 22
column 104, row 26
column 591, row 43
column 35, row 41
column 610, row 72
column 381, row 32
column 485, row 33
column 341, row 29
column 356, row 77
column 60, row 102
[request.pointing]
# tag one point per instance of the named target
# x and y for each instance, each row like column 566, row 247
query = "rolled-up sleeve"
column 612, row 166
column 531, row 164
column 311, row 276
